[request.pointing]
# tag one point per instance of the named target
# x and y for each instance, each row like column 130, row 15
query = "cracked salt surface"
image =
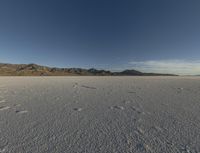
column 121, row 114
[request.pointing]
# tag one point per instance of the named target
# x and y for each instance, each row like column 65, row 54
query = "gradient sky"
column 148, row 35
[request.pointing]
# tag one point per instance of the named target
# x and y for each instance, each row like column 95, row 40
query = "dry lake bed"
column 99, row 114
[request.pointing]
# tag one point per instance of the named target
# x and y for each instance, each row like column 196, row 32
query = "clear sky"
column 148, row 35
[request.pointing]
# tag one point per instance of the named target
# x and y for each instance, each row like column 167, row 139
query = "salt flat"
column 99, row 114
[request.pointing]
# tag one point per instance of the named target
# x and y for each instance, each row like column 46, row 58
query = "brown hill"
column 38, row 70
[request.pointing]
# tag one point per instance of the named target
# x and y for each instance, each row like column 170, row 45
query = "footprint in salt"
column 2, row 101
column 117, row 107
column 78, row 109
column 3, row 149
column 143, row 147
column 75, row 85
column 135, row 109
column 75, row 101
column 140, row 130
column 179, row 90
column 21, row 111
column 17, row 105
column 88, row 87
column 132, row 92
column 4, row 108
column 127, row 101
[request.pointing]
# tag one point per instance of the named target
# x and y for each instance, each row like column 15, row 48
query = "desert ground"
column 100, row 114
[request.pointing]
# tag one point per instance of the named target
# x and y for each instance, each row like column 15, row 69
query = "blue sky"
column 148, row 35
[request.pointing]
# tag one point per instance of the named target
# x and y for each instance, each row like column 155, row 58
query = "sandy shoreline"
column 99, row 114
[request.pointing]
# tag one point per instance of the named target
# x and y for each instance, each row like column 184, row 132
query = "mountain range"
column 38, row 70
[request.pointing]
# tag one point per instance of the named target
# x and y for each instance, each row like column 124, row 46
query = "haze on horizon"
column 151, row 36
